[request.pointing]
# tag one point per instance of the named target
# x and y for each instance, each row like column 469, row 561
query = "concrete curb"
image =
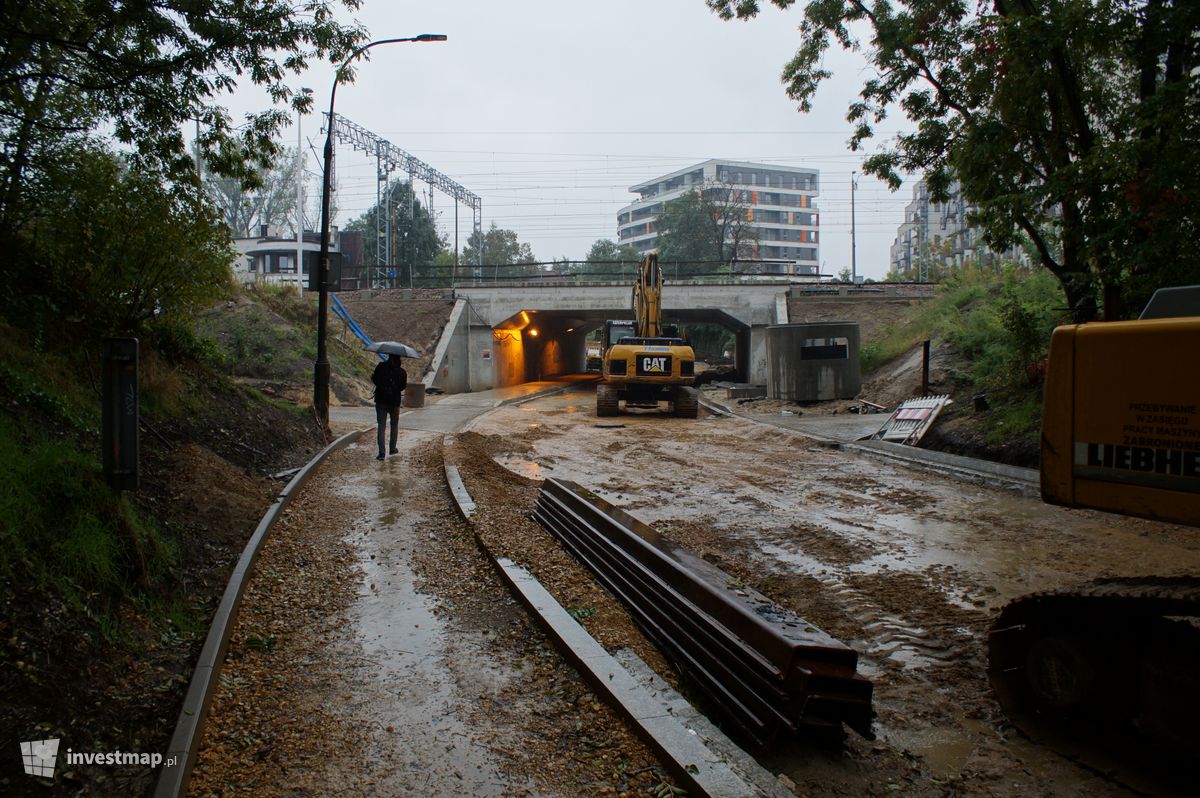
column 702, row 771
column 189, row 729
column 1026, row 481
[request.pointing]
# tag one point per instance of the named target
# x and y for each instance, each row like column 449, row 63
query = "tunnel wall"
column 447, row 367
column 554, row 352
column 508, row 360
column 482, row 369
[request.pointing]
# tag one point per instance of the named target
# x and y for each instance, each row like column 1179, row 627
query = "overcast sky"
column 550, row 110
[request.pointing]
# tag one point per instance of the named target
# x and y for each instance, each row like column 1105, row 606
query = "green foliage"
column 177, row 340
column 1006, row 335
column 579, row 612
column 61, row 525
column 1000, row 323
column 145, row 69
column 21, row 388
column 703, row 232
column 1014, row 420
column 416, row 242
column 107, row 249
column 499, row 247
column 1074, row 125
column 605, row 250
column 288, row 302
column 710, row 341
column 689, row 237
column 954, row 299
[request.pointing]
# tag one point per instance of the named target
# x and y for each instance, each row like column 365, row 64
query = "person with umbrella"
column 390, row 380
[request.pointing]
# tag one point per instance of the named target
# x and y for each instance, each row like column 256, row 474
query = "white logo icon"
column 40, row 757
column 656, row 364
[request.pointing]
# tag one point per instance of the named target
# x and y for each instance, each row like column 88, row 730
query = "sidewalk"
column 846, row 431
column 449, row 413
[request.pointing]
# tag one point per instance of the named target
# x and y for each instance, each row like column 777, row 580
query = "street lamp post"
column 321, row 368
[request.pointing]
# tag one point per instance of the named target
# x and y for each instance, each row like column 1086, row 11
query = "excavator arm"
column 647, row 298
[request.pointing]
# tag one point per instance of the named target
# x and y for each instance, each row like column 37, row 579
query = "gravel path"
column 378, row 654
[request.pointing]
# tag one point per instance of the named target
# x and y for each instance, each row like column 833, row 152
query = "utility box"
column 813, row 362
column 312, row 267
column 414, row 395
column 120, row 412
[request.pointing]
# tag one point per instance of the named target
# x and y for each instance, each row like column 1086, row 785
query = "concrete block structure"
column 779, row 202
column 813, row 362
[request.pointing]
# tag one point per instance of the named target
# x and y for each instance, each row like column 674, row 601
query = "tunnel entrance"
column 536, row 344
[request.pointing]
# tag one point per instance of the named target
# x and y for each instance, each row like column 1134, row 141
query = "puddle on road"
column 945, row 750
column 522, row 466
column 399, row 685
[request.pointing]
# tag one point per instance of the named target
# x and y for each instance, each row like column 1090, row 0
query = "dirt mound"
column 388, row 316
column 900, row 379
column 216, row 496
column 275, row 353
column 875, row 317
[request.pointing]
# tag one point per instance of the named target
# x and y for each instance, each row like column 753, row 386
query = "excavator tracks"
column 1107, row 673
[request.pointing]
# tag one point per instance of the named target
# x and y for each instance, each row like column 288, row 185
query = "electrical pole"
column 321, row 367
column 299, row 204
column 853, row 242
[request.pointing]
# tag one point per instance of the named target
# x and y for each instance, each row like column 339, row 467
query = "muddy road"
column 906, row 566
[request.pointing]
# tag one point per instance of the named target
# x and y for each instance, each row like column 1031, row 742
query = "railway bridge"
column 502, row 334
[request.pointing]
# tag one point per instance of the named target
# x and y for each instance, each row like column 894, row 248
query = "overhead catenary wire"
column 571, row 199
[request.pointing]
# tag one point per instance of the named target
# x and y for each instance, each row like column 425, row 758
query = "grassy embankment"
column 62, row 528
column 996, row 330
column 104, row 597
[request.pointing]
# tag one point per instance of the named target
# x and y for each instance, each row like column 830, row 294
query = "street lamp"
column 321, row 368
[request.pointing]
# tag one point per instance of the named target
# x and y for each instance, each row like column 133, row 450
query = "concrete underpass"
column 502, row 335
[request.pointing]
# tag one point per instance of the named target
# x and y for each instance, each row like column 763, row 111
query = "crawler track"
column 1106, row 673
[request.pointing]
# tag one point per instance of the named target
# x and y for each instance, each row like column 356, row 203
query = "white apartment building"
column 780, row 204
column 270, row 257
column 939, row 231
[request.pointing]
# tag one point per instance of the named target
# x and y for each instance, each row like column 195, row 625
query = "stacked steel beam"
column 767, row 670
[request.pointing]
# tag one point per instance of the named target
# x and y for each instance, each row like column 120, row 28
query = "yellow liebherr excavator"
column 1115, row 664
column 652, row 365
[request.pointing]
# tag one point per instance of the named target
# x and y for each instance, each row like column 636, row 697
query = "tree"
column 607, row 256
column 499, row 247
column 1074, row 124
column 415, row 240
column 705, row 231
column 111, row 248
column 145, row 69
column 272, row 203
column 605, row 250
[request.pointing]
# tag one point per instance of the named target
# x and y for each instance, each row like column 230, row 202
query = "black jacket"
column 390, row 381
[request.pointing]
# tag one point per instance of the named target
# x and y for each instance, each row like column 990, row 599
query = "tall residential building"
column 939, row 233
column 779, row 202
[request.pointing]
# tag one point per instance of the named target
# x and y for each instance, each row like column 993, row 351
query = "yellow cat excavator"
column 645, row 363
column 1113, row 666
